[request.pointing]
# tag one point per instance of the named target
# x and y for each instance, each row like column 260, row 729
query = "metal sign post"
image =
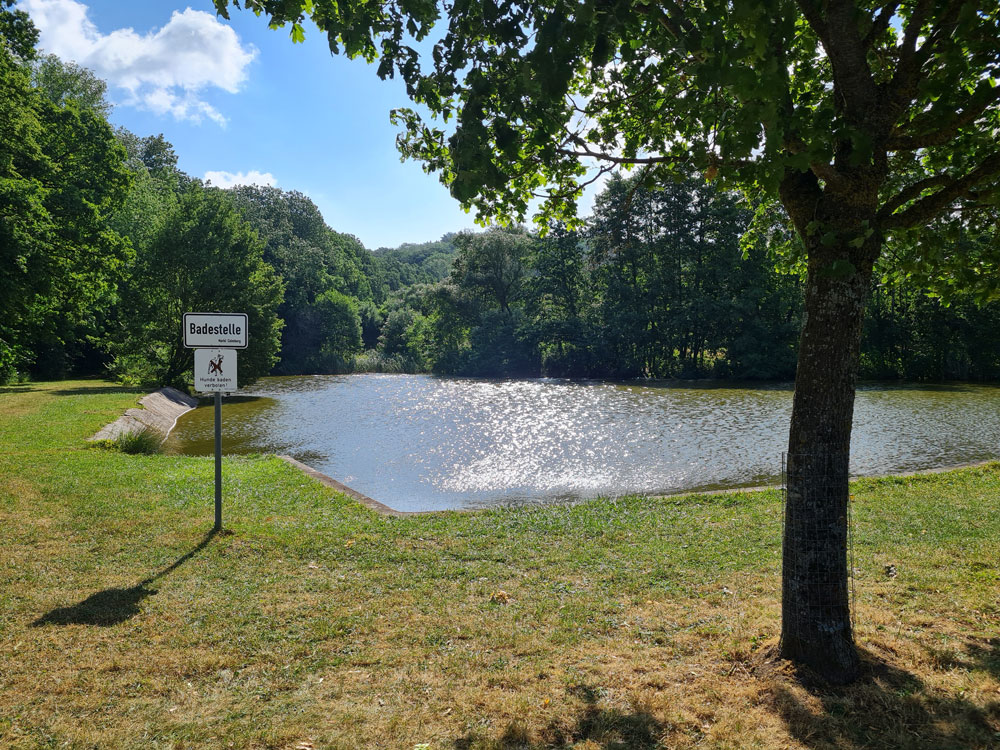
column 218, row 461
column 215, row 370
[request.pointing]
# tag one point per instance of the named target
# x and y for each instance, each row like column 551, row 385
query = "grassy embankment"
column 635, row 623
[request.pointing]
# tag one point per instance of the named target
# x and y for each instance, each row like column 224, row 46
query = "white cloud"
column 231, row 179
column 164, row 71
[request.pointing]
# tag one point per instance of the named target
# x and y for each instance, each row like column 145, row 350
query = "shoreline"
column 386, row 510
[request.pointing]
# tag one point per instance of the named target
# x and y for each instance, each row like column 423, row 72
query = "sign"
column 215, row 330
column 215, row 337
column 215, row 370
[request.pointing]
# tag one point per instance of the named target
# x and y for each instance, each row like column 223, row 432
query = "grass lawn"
column 314, row 623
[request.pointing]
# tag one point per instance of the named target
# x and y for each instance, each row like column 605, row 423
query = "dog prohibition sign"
column 215, row 365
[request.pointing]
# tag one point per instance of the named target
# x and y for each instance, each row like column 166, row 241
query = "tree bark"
column 816, row 628
column 816, row 615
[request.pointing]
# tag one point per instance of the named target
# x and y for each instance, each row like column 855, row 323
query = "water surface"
column 418, row 442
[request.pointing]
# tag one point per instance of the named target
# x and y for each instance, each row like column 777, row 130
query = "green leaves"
column 717, row 78
column 62, row 175
column 204, row 257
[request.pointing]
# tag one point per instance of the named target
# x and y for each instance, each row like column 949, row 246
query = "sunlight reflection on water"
column 422, row 443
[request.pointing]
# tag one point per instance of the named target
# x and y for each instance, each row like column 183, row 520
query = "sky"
column 242, row 104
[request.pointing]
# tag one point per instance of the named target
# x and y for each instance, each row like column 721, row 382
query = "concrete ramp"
column 160, row 412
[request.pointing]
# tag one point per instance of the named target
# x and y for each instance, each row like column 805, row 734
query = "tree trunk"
column 816, row 617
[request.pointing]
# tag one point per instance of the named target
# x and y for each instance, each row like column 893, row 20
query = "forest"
column 104, row 243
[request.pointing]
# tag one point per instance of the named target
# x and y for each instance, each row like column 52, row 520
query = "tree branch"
column 674, row 20
column 587, row 152
column 829, row 174
column 880, row 24
column 574, row 190
column 903, row 82
column 823, row 170
column 911, row 192
column 811, row 11
column 835, row 22
column 902, row 87
column 928, row 207
column 946, row 132
column 987, row 196
column 942, row 26
column 911, row 33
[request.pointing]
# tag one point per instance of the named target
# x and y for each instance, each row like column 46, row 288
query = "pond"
column 419, row 442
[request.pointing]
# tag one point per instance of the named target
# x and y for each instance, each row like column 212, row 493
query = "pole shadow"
column 605, row 728
column 888, row 708
column 115, row 605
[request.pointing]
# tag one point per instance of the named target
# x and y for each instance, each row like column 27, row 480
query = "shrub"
column 145, row 441
column 375, row 361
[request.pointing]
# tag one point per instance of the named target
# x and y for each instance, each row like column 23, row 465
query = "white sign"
column 215, row 370
column 228, row 330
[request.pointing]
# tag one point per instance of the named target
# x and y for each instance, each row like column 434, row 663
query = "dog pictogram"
column 215, row 365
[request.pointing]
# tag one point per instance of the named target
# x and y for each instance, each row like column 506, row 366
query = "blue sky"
column 240, row 102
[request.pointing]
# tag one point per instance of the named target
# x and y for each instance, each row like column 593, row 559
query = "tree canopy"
column 178, row 271
column 62, row 174
column 751, row 92
column 64, row 82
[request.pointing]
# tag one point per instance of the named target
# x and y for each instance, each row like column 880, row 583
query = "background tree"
column 866, row 119
column 405, row 337
column 18, row 35
column 559, row 304
column 157, row 185
column 203, row 258
column 313, row 260
column 491, row 264
column 417, row 263
column 474, row 322
column 678, row 294
column 62, row 175
column 393, row 339
column 910, row 335
column 338, row 330
column 64, row 82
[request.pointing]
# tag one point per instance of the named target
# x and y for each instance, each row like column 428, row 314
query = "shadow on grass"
column 888, row 708
column 18, row 388
column 97, row 390
column 983, row 655
column 605, row 728
column 987, row 658
column 112, row 606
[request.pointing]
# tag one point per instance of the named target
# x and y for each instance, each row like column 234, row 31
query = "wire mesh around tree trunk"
column 815, row 591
